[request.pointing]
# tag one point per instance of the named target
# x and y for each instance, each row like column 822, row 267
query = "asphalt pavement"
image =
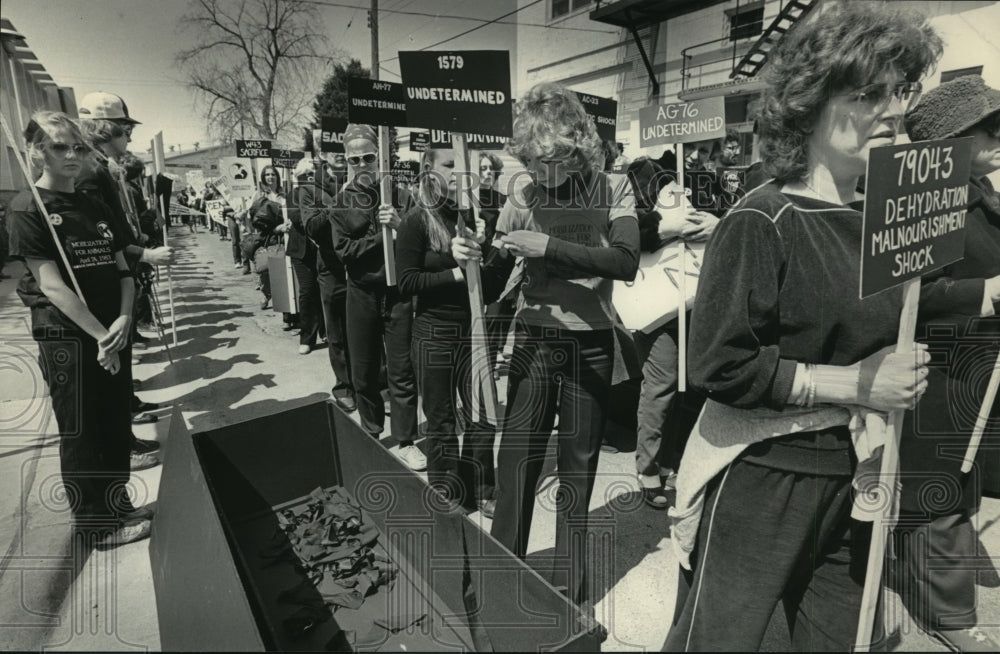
column 233, row 362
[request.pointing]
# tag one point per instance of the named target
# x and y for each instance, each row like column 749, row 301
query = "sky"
column 128, row 47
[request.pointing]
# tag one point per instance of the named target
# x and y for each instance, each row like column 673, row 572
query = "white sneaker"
column 412, row 458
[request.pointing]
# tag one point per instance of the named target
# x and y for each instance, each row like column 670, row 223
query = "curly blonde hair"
column 550, row 121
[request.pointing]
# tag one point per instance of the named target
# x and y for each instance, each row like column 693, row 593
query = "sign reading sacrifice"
column 604, row 111
column 253, row 149
column 286, row 158
column 915, row 204
column 441, row 139
column 458, row 90
column 405, row 171
column 419, row 141
column 332, row 134
column 376, row 102
column 682, row 122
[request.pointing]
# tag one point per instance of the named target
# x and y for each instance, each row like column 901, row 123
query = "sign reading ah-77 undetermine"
column 682, row 122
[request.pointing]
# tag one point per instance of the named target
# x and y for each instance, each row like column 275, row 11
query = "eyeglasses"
column 879, row 95
column 62, row 149
column 367, row 158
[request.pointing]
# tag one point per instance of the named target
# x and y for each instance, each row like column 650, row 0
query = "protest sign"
column 915, row 205
column 214, row 209
column 604, row 111
column 654, row 298
column 376, row 102
column 239, row 176
column 332, row 134
column 441, row 139
column 419, row 141
column 287, row 159
column 682, row 122
column 459, row 91
column 405, row 171
column 253, row 149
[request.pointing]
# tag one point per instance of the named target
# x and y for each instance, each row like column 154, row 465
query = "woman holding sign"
column 80, row 292
column 576, row 228
column 797, row 369
column 442, row 350
column 958, row 319
column 265, row 216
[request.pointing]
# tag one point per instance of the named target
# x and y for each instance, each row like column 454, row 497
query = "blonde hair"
column 42, row 126
column 429, row 199
column 550, row 121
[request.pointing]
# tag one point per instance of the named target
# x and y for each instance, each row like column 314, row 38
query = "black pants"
column 378, row 326
column 310, row 307
column 333, row 296
column 95, row 427
column 442, row 357
column 572, row 370
column 499, row 317
column 766, row 536
column 234, row 230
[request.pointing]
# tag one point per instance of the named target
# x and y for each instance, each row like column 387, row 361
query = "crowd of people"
column 789, row 370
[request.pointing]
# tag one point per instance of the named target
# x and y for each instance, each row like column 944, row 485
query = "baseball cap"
column 105, row 106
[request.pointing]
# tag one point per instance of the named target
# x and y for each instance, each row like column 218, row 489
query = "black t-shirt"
column 86, row 228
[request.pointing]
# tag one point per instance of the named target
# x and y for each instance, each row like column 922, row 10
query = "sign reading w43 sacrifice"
column 915, row 205
column 253, row 149
column 458, row 90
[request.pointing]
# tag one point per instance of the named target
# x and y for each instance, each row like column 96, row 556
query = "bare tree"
column 255, row 65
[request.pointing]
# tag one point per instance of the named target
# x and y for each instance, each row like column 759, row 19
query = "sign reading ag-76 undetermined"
column 682, row 122
column 459, row 91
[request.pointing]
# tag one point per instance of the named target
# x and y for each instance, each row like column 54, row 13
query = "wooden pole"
column 293, row 300
column 888, row 482
column 681, row 287
column 385, row 179
column 982, row 418
column 484, row 390
column 159, row 168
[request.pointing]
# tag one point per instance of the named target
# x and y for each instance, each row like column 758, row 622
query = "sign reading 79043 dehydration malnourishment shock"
column 915, row 205
column 465, row 91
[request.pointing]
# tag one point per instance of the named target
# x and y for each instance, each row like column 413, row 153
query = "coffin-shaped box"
column 215, row 515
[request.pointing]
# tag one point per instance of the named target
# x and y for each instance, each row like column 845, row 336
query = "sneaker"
column 345, row 400
column 487, row 508
column 240, row 265
column 305, row 349
column 140, row 406
column 264, row 303
column 143, row 460
column 144, row 419
column 145, row 446
column 655, row 498
column 246, row 271
column 412, row 457
column 128, row 532
column 973, row 639
column 669, row 481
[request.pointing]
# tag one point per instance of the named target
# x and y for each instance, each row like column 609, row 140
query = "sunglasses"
column 367, row 158
column 880, row 95
column 62, row 149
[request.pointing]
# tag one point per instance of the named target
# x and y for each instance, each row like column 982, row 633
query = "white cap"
column 104, row 106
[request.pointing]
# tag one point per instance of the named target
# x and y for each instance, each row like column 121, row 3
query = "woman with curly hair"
column 798, row 370
column 576, row 228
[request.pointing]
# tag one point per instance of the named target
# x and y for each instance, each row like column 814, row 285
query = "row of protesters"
column 107, row 127
column 82, row 339
column 799, row 372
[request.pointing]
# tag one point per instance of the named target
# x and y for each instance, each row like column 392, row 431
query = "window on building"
column 949, row 75
column 561, row 8
column 746, row 22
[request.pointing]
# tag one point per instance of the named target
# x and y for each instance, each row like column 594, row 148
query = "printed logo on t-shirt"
column 105, row 230
column 55, row 219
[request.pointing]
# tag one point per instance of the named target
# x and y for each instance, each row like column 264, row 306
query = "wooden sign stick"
column 293, row 300
column 982, row 418
column 385, row 179
column 681, row 288
column 164, row 205
column 888, row 482
column 484, row 390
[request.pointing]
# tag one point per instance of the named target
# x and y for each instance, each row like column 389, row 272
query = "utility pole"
column 373, row 24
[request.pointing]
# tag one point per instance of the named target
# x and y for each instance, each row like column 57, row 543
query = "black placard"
column 405, row 171
column 253, row 149
column 419, row 141
column 604, row 111
column 332, row 134
column 376, row 102
column 286, row 158
column 458, row 90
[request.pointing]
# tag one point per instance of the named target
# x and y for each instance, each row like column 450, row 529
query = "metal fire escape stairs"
column 756, row 57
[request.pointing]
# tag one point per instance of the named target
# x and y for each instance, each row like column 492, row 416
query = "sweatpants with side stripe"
column 766, row 536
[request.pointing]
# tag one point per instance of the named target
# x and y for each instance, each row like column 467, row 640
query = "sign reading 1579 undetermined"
column 915, row 206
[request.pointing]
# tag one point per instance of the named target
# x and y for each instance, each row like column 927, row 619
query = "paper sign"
column 653, row 298
column 458, row 91
column 376, row 102
column 287, row 159
column 915, row 206
column 332, row 134
column 682, row 122
column 253, row 149
column 604, row 111
column 239, row 176
column 214, row 209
